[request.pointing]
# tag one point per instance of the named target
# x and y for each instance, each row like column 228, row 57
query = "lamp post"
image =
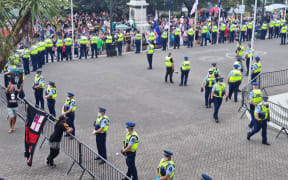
column 72, row 26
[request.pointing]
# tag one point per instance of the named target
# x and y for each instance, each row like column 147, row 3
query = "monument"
column 138, row 13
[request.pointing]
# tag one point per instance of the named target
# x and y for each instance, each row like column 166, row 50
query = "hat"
column 238, row 57
column 69, row 94
column 52, row 83
column 101, row 109
column 185, row 58
column 257, row 58
column 220, row 79
column 206, row 177
column 168, row 153
column 236, row 66
column 130, row 124
column 38, row 71
column 265, row 98
column 26, row 46
column 62, row 117
column 19, row 65
column 255, row 83
column 213, row 64
column 249, row 44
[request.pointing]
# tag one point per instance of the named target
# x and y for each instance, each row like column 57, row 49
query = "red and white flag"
column 194, row 7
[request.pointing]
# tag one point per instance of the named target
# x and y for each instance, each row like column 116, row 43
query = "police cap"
column 52, row 83
column 38, row 71
column 265, row 98
column 220, row 79
column 186, row 58
column 257, row 58
column 236, row 66
column 213, row 64
column 168, row 153
column 255, row 83
column 206, row 177
column 130, row 124
column 69, row 94
column 101, row 109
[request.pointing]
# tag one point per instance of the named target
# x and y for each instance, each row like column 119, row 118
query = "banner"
column 194, row 7
column 34, row 124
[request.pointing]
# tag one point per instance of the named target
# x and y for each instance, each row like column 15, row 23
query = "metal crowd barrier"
column 78, row 151
column 278, row 114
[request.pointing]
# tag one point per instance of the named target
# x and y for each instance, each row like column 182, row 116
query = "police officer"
column 216, row 71
column 59, row 45
column 242, row 32
column 34, row 57
column 109, row 40
column 177, row 33
column 218, row 91
column 232, row 32
column 204, row 34
column 262, row 115
column 166, row 167
column 249, row 30
column 283, row 34
column 130, row 147
column 83, row 46
column 38, row 87
column 208, row 83
column 277, row 28
column 263, row 30
column 240, row 50
column 150, row 51
column 169, row 67
column 234, row 81
column 93, row 43
column 19, row 79
column 239, row 62
column 152, row 37
column 190, row 37
column 222, row 31
column 50, row 95
column 271, row 26
column 68, row 43
column 255, row 98
column 256, row 68
column 164, row 39
column 25, row 58
column 185, row 68
column 68, row 110
column 138, row 38
column 249, row 53
column 49, row 45
column 214, row 33
column 120, row 40
column 101, row 127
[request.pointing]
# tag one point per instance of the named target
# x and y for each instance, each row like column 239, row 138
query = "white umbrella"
column 275, row 6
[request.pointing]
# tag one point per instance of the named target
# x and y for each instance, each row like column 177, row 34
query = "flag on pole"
column 194, row 7
column 219, row 4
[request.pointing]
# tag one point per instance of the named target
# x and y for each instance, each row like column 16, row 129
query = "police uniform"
column 38, row 91
column 68, row 43
column 249, row 30
column 256, row 68
column 132, row 140
column 255, row 98
column 283, row 34
column 151, row 37
column 262, row 115
column 190, row 37
column 185, row 68
column 9, row 69
column 25, row 58
column 166, row 167
column 208, row 83
column 49, row 45
column 263, row 30
column 19, row 79
column 70, row 104
column 93, row 43
column 216, row 71
column 59, row 45
column 214, row 34
column 102, row 121
column 271, row 27
column 138, row 38
column 83, row 46
column 232, row 32
column 234, row 80
column 169, row 68
column 177, row 33
column 218, row 91
column 204, row 34
column 51, row 100
column 242, row 32
column 164, row 39
column 150, row 51
column 277, row 28
column 222, row 31
column 34, row 57
column 120, row 39
column 109, row 41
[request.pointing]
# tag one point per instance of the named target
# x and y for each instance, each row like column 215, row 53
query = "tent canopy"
column 275, row 6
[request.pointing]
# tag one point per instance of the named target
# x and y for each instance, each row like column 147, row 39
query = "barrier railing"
column 78, row 151
column 278, row 114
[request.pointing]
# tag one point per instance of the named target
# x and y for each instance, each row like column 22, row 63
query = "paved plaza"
column 167, row 117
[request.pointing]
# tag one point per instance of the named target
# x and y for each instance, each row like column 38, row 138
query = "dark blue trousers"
column 34, row 61
column 164, row 43
column 119, row 46
column 39, row 97
column 249, row 34
column 263, row 34
column 190, row 41
column 83, row 51
column 21, row 94
column 232, row 36
column 68, row 52
column 270, row 33
column 101, row 145
column 217, row 104
column 184, row 77
column 203, row 38
column 26, row 66
column 221, row 40
column 260, row 125
column 6, row 80
column 208, row 96
column 59, row 53
column 252, row 122
column 214, row 37
column 276, row 32
column 177, row 42
column 150, row 58
column 233, row 88
column 283, row 38
column 138, row 46
column 70, row 121
column 132, row 171
column 94, row 50
column 51, row 106
column 49, row 51
column 242, row 36
column 42, row 57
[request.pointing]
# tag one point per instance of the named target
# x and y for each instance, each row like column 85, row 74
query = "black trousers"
column 53, row 154
column 101, row 144
column 169, row 72
column 150, row 58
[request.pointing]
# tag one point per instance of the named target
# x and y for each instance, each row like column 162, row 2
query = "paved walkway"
column 167, row 117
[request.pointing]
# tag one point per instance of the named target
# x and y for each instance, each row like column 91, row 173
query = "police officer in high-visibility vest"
column 150, row 51
column 93, row 44
column 222, row 31
column 68, row 110
column 190, row 36
column 277, row 28
column 255, row 98
column 232, row 32
column 59, row 45
column 216, row 71
column 130, row 147
column 204, row 34
column 38, row 87
column 49, row 45
column 208, row 83
column 283, row 34
column 34, row 56
column 214, row 33
column 185, row 68
column 9, row 69
column 6, row 74
column 249, row 53
column 109, row 41
column 164, row 39
column 25, row 58
column 152, row 37
column 177, row 33
column 249, row 30
column 120, row 40
column 18, row 78
column 240, row 50
column 101, row 127
column 263, row 30
column 166, row 168
column 218, row 91
column 138, row 38
column 169, row 67
column 50, row 95
column 256, row 68
column 271, row 29
column 262, row 115
column 242, row 32
column 234, row 81
column 83, row 46
column 68, row 43
column 41, row 52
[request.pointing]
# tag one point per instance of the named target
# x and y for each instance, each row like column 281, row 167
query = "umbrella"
column 275, row 6
column 122, row 27
column 213, row 10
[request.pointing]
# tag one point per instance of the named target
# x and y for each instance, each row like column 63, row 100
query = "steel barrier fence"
column 78, row 151
column 278, row 114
